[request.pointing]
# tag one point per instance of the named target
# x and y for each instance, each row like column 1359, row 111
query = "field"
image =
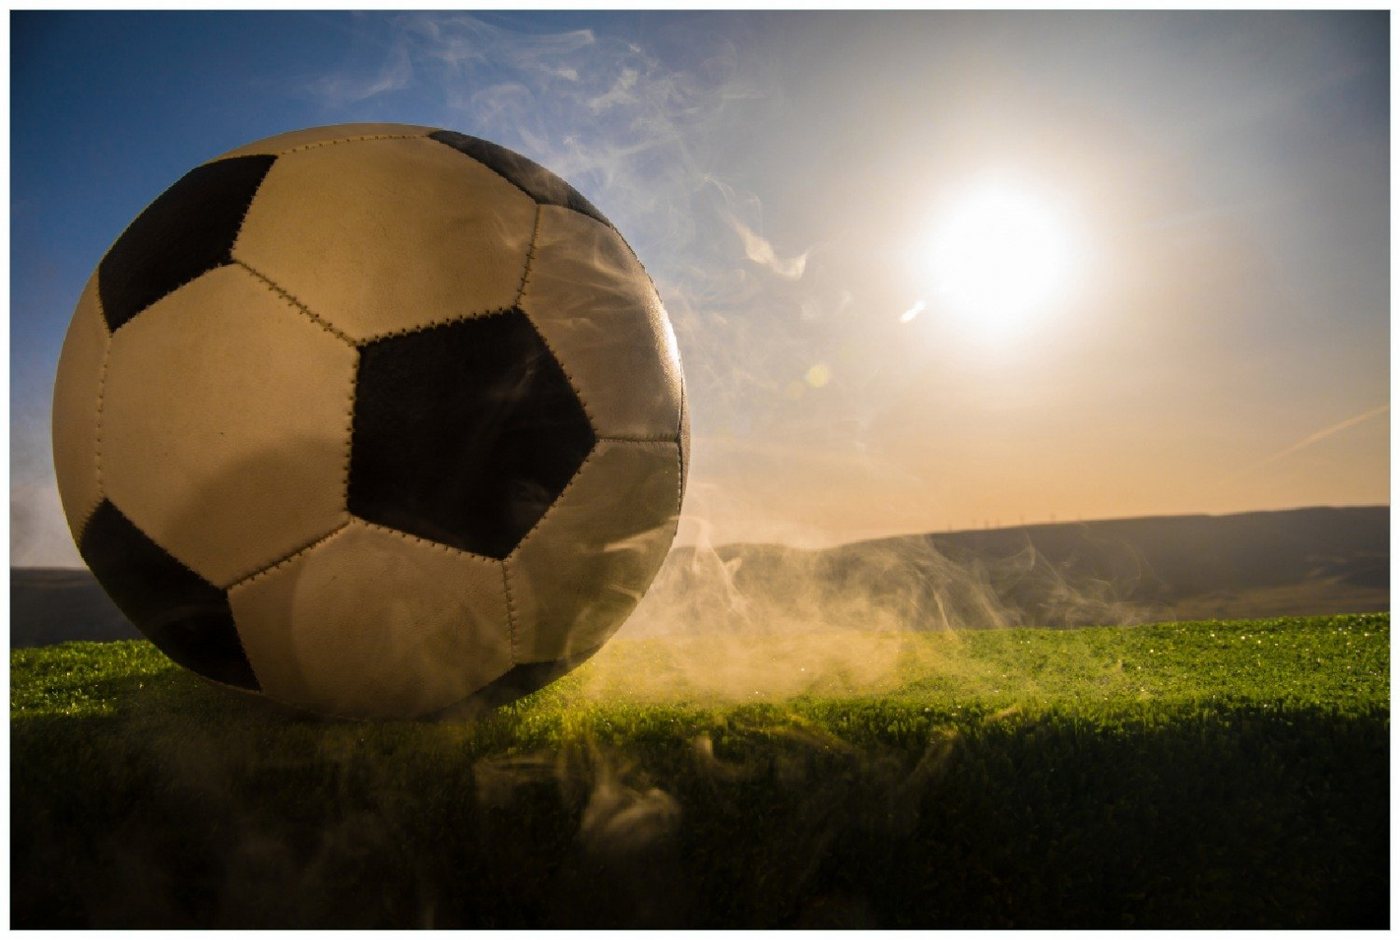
column 1205, row 774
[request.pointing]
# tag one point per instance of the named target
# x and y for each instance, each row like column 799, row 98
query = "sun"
column 999, row 258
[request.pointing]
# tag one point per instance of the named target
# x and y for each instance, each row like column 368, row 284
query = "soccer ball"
column 373, row 420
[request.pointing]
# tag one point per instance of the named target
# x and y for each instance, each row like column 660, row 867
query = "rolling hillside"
column 1299, row 562
column 1261, row 564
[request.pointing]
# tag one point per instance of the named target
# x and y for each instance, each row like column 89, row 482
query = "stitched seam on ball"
column 410, row 537
column 282, row 561
column 236, row 635
column 529, row 256
column 633, row 253
column 573, row 383
column 248, row 207
column 557, row 500
column 290, row 557
column 405, row 331
column 183, row 284
column 349, row 433
column 484, row 165
column 657, row 293
column 680, row 483
column 638, row 439
column 351, row 140
column 97, row 444
column 474, row 315
column 286, row 295
column 680, row 456
column 519, row 298
column 243, row 217
column 510, row 610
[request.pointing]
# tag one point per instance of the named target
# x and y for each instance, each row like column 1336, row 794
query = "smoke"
column 38, row 534
column 623, row 866
column 793, row 615
column 777, row 403
column 764, row 330
column 349, row 89
column 760, row 320
column 639, row 125
column 760, row 251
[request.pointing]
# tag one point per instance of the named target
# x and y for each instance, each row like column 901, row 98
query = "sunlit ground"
column 1178, row 775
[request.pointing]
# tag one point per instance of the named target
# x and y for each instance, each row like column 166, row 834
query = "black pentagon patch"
column 189, row 229
column 464, row 433
column 186, row 617
column 525, row 174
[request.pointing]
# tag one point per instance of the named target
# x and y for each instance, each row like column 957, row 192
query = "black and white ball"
column 373, row 420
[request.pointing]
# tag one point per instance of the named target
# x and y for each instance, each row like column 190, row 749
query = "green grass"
column 1211, row 774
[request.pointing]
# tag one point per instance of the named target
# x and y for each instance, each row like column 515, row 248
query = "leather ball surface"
column 373, row 420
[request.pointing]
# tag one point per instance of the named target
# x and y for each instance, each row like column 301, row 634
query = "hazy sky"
column 1200, row 322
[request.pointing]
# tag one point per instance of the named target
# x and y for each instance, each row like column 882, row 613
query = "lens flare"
column 914, row 311
column 1000, row 258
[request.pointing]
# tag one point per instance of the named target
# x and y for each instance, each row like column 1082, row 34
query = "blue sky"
column 1224, row 178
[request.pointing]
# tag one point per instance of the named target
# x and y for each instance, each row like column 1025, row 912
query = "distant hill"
column 52, row 605
column 1258, row 564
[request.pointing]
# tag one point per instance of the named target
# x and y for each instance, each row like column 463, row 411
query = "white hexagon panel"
column 226, row 425
column 432, row 631
column 383, row 236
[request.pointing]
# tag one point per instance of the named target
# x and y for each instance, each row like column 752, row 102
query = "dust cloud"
column 771, row 620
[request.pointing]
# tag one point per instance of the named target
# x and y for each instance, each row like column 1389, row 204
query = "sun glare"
column 1000, row 258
